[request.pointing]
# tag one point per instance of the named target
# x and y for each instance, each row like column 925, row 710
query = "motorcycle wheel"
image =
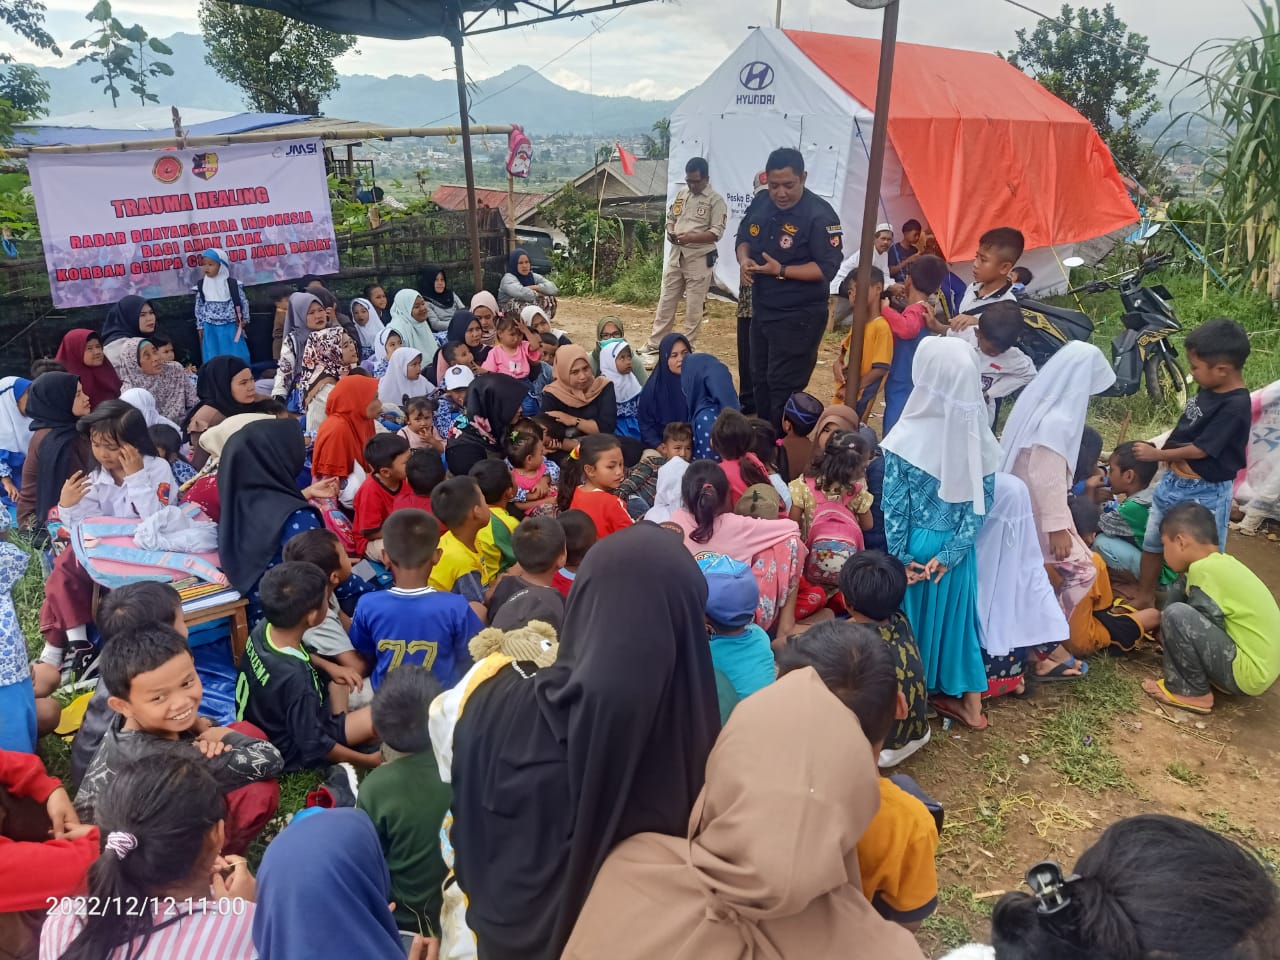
column 1166, row 382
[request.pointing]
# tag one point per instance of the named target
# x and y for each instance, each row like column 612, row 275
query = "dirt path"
column 1051, row 773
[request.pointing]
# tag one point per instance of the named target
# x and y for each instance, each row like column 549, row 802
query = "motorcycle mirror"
column 1072, row 262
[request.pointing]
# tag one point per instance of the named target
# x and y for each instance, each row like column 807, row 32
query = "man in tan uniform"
column 695, row 223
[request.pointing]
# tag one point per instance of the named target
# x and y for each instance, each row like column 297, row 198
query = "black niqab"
column 551, row 772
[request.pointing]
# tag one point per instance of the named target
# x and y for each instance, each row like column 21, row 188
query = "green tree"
column 112, row 47
column 659, row 147
column 282, row 65
column 20, row 84
column 1090, row 59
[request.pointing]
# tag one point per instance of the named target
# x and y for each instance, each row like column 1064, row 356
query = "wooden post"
column 595, row 244
column 473, row 229
column 511, row 212
column 875, row 170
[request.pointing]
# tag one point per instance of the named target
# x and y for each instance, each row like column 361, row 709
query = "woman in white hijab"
column 142, row 401
column 403, row 379
column 409, row 318
column 1041, row 444
column 939, row 478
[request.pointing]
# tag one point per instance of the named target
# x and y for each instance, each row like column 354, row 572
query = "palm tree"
column 659, row 147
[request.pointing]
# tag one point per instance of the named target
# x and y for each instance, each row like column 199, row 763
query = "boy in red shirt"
column 423, row 472
column 387, row 454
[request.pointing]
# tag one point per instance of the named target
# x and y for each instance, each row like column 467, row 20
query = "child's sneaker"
column 891, row 758
column 338, row 790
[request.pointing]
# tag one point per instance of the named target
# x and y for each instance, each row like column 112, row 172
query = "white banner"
column 136, row 222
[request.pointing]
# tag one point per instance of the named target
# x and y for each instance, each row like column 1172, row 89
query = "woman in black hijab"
column 225, row 387
column 493, row 404
column 553, row 767
column 55, row 404
column 262, row 507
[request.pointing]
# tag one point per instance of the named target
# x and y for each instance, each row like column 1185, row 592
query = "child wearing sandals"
column 1224, row 631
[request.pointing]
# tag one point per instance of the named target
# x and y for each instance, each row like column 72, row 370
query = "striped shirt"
column 222, row 930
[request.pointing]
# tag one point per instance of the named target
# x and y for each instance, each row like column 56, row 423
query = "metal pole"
column 473, row 231
column 777, row 20
column 875, row 170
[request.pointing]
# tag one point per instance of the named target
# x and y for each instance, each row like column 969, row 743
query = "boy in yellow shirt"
column 460, row 506
column 494, row 541
column 877, row 345
column 896, row 853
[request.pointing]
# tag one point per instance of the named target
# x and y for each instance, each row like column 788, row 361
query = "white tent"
column 777, row 90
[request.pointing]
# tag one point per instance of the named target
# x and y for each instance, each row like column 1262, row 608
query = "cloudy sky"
column 663, row 48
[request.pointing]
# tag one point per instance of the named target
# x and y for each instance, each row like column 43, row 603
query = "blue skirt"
column 220, row 339
column 944, row 617
column 18, row 717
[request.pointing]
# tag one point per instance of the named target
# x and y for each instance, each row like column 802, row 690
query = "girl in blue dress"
column 222, row 310
column 939, row 479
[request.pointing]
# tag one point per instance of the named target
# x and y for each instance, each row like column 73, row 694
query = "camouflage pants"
column 1198, row 652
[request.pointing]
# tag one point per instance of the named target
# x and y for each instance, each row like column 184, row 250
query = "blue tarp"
column 74, row 136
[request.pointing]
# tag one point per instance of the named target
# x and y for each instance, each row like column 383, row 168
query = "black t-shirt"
column 279, row 691
column 516, row 602
column 809, row 232
column 1219, row 424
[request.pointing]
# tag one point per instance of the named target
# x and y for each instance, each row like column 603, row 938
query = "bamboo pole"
column 273, row 135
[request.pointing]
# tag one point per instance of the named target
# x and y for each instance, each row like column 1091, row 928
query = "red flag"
column 628, row 160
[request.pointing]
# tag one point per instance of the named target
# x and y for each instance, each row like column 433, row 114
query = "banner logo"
column 205, row 165
column 756, row 75
column 167, row 169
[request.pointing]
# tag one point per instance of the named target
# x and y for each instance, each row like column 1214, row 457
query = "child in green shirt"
column 1225, row 631
column 406, row 799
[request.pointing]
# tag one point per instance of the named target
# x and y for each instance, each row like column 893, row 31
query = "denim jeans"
column 1173, row 490
column 1120, row 553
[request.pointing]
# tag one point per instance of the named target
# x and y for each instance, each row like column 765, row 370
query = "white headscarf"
column 217, row 288
column 395, row 384
column 625, row 386
column 667, row 500
column 370, row 331
column 943, row 429
column 1011, row 564
column 15, row 427
column 1051, row 410
column 414, row 334
column 142, row 401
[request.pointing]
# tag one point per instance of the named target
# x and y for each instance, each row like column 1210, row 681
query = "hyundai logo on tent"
column 756, row 76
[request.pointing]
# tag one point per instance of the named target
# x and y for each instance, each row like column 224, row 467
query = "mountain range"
column 518, row 95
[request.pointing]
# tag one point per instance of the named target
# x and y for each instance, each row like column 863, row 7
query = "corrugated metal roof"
column 453, row 196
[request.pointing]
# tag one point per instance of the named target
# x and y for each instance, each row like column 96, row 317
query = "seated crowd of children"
column 627, row 564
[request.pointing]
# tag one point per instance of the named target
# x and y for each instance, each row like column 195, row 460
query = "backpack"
column 834, row 536
column 233, row 286
column 336, row 522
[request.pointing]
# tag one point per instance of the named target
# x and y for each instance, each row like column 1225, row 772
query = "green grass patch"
column 1178, row 770
column 950, row 930
column 639, row 283
column 1074, row 742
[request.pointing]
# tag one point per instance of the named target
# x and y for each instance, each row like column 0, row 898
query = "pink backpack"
column 336, row 522
column 834, row 536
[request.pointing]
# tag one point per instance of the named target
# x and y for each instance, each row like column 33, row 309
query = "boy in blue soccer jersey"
column 413, row 623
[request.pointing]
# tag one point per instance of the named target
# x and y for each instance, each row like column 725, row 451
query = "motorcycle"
column 1143, row 349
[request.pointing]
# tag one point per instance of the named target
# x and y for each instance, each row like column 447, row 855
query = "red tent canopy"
column 980, row 143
